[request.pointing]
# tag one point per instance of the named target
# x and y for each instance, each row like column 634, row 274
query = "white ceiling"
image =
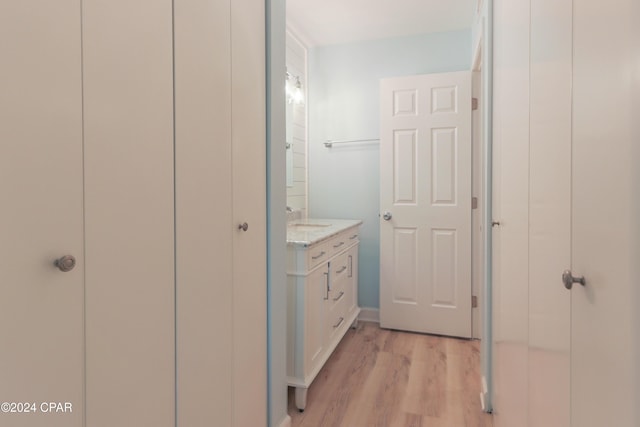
column 324, row 22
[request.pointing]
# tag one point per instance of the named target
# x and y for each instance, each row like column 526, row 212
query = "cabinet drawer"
column 317, row 254
column 338, row 243
column 336, row 316
column 338, row 294
column 339, row 267
column 342, row 241
column 352, row 236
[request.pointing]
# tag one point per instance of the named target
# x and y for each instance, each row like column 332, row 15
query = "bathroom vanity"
column 322, row 295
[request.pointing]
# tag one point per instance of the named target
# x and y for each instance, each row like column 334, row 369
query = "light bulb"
column 298, row 96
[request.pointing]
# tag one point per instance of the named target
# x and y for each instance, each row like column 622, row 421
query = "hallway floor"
column 383, row 378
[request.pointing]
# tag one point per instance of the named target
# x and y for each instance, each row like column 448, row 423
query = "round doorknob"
column 387, row 216
column 244, row 226
column 569, row 279
column 66, row 263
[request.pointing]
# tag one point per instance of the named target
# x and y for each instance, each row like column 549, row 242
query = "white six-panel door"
column 425, row 203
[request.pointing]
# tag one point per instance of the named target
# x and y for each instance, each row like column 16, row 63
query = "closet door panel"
column 41, row 307
column 128, row 129
column 204, row 224
column 249, row 205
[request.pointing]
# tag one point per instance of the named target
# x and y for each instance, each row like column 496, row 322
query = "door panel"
column 511, row 111
column 426, row 186
column 549, row 214
column 248, row 126
column 404, row 167
column 405, row 242
column 443, row 166
column 204, row 230
column 41, row 308
column 605, row 336
column 129, row 204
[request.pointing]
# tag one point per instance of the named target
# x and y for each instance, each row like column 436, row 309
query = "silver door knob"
column 66, row 263
column 387, row 216
column 569, row 279
column 244, row 226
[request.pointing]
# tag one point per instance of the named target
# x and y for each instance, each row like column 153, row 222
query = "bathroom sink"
column 303, row 226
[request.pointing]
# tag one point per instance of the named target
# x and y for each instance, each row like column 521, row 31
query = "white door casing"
column 425, row 187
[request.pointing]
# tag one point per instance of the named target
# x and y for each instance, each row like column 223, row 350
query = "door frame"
column 482, row 62
column 477, row 190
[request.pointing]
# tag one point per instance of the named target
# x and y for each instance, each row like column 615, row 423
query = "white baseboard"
column 286, row 422
column 369, row 315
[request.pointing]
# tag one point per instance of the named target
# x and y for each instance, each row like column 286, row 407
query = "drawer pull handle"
column 344, row 267
column 326, row 297
column 339, row 296
column 320, row 255
column 355, row 236
column 338, row 245
column 337, row 325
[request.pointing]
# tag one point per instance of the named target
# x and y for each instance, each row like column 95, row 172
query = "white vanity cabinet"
column 322, row 292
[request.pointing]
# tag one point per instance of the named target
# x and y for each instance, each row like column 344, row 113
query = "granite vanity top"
column 305, row 232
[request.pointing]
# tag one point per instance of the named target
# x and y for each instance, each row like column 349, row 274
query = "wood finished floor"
column 383, row 378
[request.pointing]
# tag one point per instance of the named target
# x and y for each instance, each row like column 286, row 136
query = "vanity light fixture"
column 293, row 89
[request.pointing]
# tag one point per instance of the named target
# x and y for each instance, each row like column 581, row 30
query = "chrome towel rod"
column 330, row 142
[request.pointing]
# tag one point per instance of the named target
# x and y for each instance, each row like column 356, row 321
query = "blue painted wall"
column 343, row 103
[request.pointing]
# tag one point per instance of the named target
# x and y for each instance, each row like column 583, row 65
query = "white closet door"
column 220, row 184
column 549, row 330
column 249, row 206
column 41, row 307
column 204, row 224
column 605, row 320
column 511, row 210
column 129, row 211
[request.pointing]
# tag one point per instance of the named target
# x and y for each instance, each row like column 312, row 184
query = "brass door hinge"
column 474, row 104
column 474, row 301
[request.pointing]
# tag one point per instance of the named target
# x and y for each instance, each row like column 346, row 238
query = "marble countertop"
column 305, row 232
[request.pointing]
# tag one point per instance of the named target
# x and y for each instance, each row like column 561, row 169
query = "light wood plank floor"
column 384, row 378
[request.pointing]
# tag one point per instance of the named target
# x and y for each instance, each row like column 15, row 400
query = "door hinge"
column 474, row 203
column 474, row 104
column 474, row 301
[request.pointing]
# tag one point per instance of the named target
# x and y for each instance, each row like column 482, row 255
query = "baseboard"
column 369, row 315
column 286, row 422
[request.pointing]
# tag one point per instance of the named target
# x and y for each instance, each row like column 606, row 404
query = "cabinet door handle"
column 320, row 255
column 344, row 267
column 337, row 325
column 339, row 296
column 350, row 266
column 353, row 237
column 338, row 245
column 326, row 276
